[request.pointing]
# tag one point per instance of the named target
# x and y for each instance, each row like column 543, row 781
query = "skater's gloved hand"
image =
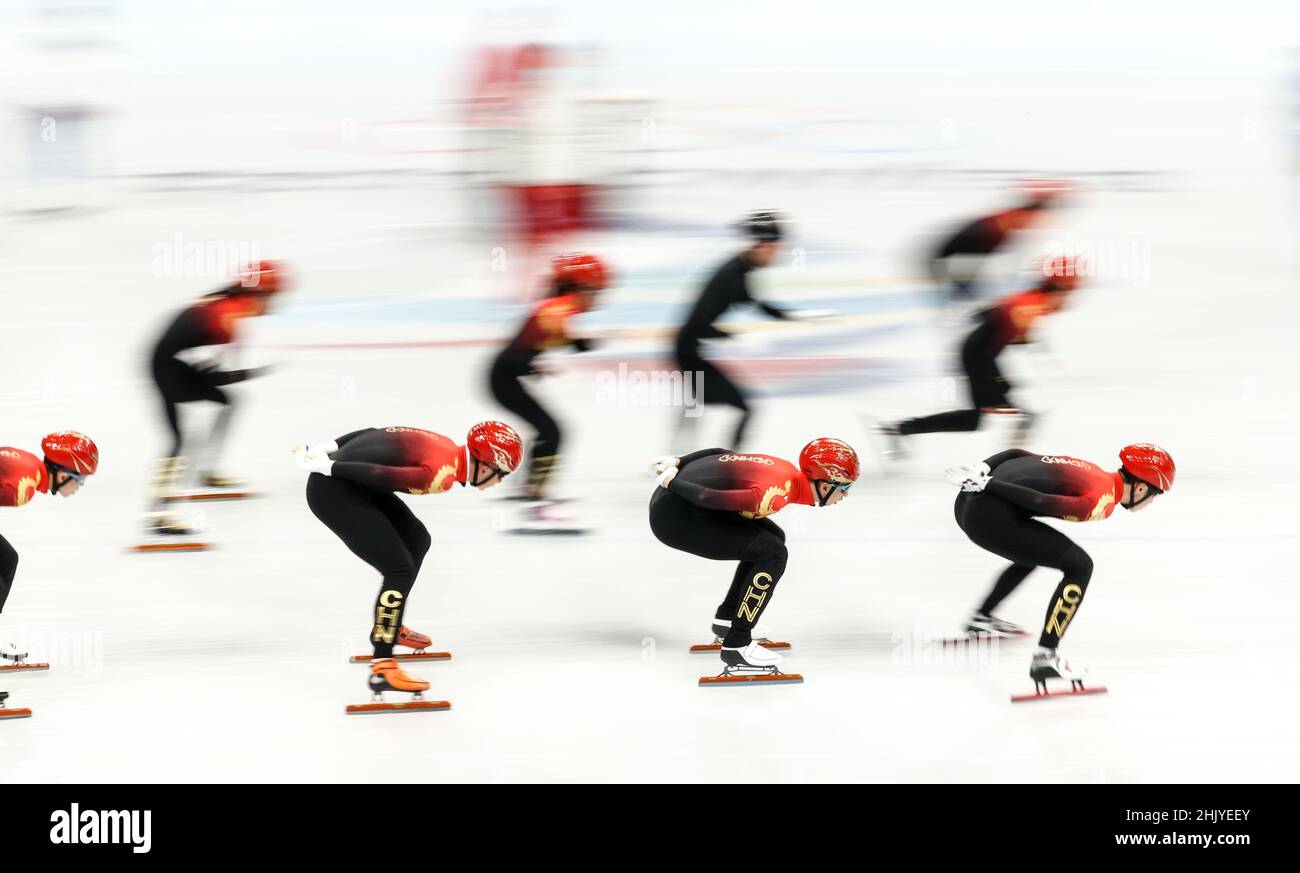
column 667, row 476
column 971, row 477
column 312, row 459
column 660, row 464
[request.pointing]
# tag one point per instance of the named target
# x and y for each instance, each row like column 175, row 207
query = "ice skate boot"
column 386, row 675
column 546, row 517
column 215, row 480
column 990, row 626
column 722, row 626
column 14, row 659
column 7, row 713
column 1048, row 664
column 166, row 531
column 889, row 442
column 750, row 663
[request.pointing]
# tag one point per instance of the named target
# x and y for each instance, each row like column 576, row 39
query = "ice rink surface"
column 570, row 654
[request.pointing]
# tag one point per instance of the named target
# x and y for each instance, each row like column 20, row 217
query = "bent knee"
column 1076, row 565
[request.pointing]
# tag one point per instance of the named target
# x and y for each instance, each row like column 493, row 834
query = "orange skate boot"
column 386, row 675
column 413, row 640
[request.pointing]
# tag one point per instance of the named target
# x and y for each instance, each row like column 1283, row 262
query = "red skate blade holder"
column 170, row 547
column 409, row 706
column 15, row 713
column 200, row 496
column 1078, row 691
column 413, row 656
column 717, row 647
column 725, row 679
column 13, row 668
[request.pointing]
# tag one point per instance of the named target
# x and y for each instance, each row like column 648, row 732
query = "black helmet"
column 762, row 226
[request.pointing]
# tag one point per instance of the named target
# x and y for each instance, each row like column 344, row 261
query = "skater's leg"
column 412, row 531
column 957, row 421
column 718, row 390
column 172, row 380
column 744, row 571
column 720, row 536
column 1007, row 531
column 364, row 528
column 987, row 391
column 208, row 462
column 508, row 389
column 8, row 569
column 1011, row 577
column 1076, row 571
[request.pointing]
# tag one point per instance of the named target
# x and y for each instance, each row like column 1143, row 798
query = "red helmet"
column 1062, row 272
column 72, row 451
column 496, row 444
column 829, row 459
column 265, row 277
column 581, row 269
column 1150, row 463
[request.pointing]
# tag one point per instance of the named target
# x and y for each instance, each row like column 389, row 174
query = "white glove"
column 314, row 459
column 667, row 476
column 661, row 463
column 971, row 477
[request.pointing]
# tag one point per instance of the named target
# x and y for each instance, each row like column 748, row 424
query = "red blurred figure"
column 1009, row 322
column 211, row 322
column 575, row 283
column 976, row 240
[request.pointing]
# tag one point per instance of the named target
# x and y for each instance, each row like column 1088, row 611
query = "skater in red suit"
column 1010, row 322
column 68, row 458
column 212, row 321
column 576, row 280
column 353, row 490
column 997, row 507
column 955, row 264
column 716, row 504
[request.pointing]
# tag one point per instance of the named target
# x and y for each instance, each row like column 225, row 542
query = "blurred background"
column 416, row 166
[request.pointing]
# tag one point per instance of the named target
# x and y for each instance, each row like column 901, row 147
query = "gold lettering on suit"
column 752, row 603
column 386, row 612
column 1063, row 611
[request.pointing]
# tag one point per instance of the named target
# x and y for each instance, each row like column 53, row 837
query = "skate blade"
column 752, row 679
column 141, row 548
column 551, row 531
column 15, row 713
column 10, row 668
column 215, row 494
column 416, row 656
column 411, row 706
column 717, row 647
column 1077, row 692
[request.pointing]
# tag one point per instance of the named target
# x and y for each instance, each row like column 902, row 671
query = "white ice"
column 570, row 658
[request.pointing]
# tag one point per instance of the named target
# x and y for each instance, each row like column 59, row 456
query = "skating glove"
column 971, row 477
column 313, row 459
column 667, row 476
column 660, row 464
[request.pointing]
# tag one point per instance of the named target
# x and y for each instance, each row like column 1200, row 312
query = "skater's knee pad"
column 1076, row 565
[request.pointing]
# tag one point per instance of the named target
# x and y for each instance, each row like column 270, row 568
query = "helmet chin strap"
column 54, row 470
column 1133, row 481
